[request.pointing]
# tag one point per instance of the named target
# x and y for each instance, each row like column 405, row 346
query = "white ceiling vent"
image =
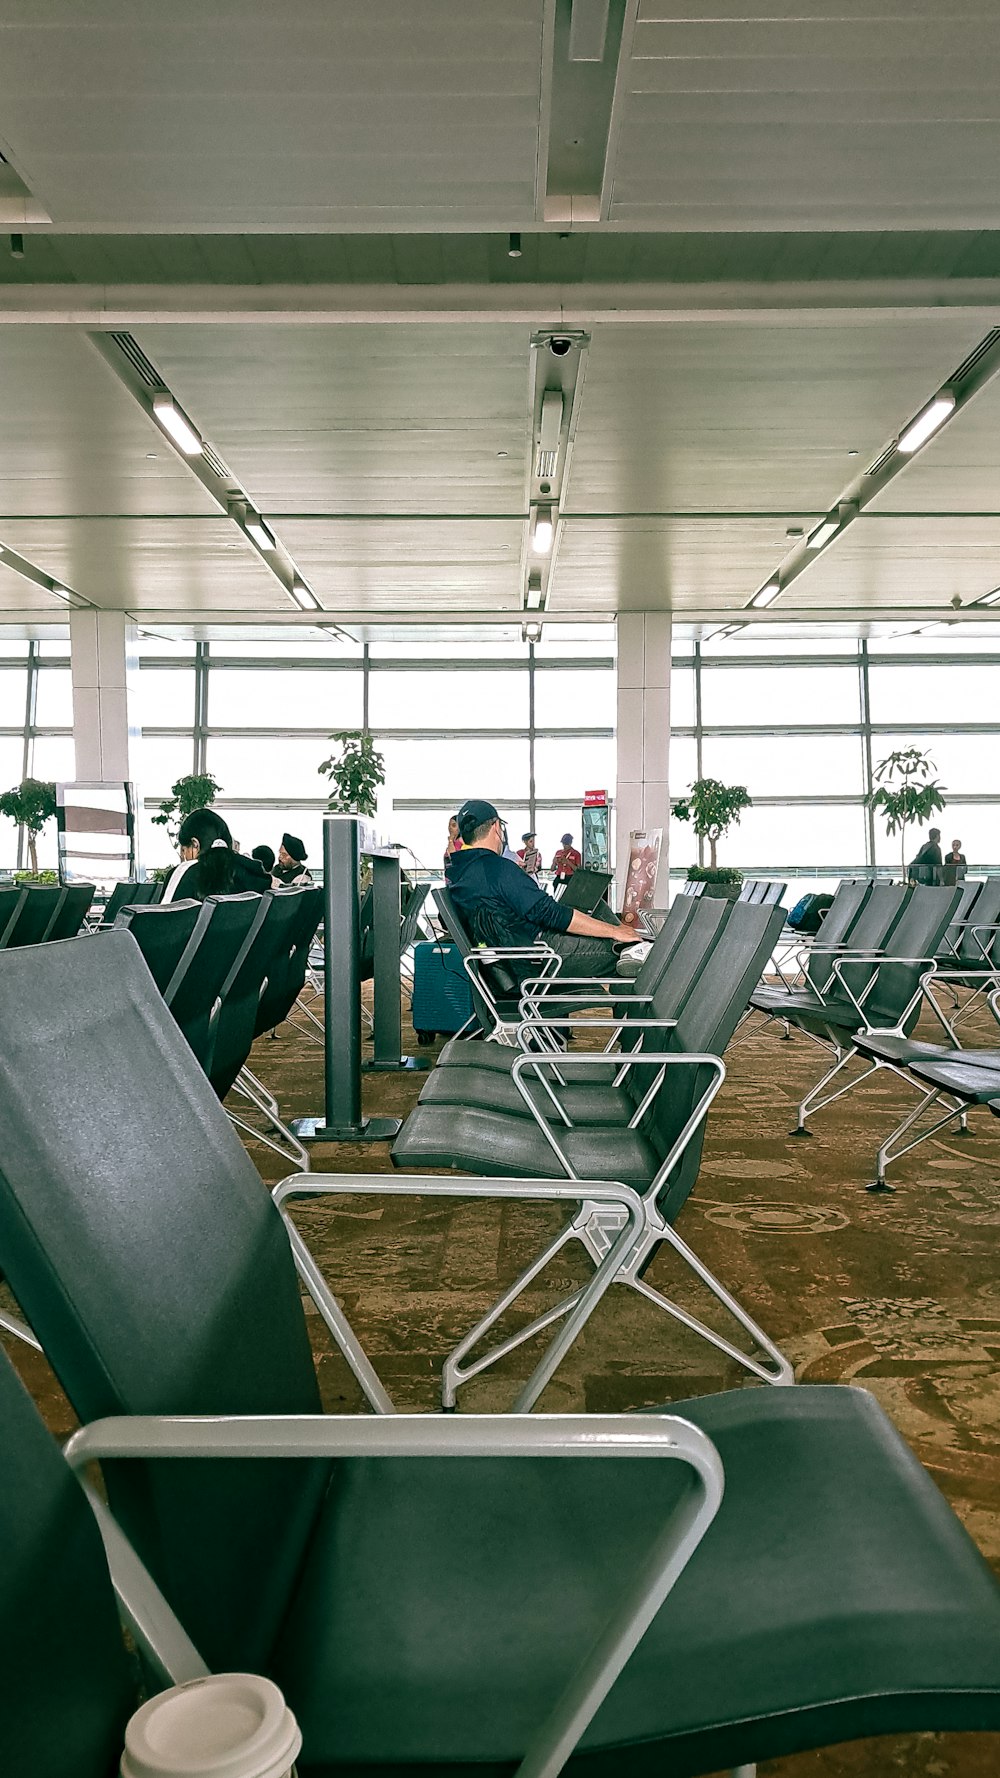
column 550, row 426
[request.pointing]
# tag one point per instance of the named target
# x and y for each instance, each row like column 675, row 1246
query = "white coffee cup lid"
column 228, row 1725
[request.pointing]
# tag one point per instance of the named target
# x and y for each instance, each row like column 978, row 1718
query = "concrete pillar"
column 105, row 666
column 643, row 797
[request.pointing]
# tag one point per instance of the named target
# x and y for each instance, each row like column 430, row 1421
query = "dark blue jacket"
column 499, row 902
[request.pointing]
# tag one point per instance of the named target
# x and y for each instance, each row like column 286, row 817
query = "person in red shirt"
column 530, row 856
column 566, row 860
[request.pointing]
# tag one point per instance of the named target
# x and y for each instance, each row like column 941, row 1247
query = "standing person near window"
column 529, row 854
column 566, row 860
column 926, row 867
column 954, row 864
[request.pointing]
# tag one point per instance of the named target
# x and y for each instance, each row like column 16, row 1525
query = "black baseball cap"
column 472, row 815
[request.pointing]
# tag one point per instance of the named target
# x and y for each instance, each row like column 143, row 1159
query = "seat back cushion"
column 147, row 1255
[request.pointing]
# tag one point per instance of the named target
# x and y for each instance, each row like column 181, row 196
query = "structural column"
column 643, row 798
column 105, row 666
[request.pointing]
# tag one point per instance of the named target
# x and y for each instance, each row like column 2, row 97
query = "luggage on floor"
column 442, row 997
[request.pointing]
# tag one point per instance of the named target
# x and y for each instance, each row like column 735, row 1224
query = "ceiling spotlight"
column 826, row 529
column 767, row 594
column 542, row 533
column 513, row 246
column 61, row 592
column 176, row 424
column 927, row 422
column 256, row 528
column 304, row 596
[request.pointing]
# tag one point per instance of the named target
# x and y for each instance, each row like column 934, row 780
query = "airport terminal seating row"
column 378, row 1567
column 36, row 913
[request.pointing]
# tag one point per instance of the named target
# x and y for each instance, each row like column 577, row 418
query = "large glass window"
column 253, row 698
column 774, row 697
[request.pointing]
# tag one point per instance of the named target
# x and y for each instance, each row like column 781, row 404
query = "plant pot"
column 725, row 884
column 724, row 891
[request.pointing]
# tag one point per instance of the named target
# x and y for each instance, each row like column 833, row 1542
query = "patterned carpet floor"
column 899, row 1294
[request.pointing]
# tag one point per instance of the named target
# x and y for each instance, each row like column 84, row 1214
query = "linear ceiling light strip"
column 976, row 370
column 141, row 378
column 18, row 564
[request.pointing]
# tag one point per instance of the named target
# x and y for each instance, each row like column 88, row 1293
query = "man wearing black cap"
column 291, row 865
column 502, row 905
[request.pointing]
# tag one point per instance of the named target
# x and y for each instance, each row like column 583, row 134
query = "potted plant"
column 906, row 793
column 31, row 803
column 197, row 790
column 712, row 809
column 355, row 773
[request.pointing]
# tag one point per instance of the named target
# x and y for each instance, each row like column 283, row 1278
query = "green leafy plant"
column 31, row 803
column 197, row 790
column 36, row 876
column 355, row 773
column 723, row 873
column 907, row 794
column 712, row 809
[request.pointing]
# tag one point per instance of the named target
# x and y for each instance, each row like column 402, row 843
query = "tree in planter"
column 906, row 793
column 198, row 790
column 355, row 773
column 712, row 809
column 31, row 803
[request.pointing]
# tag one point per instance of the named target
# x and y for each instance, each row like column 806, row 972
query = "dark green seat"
column 423, row 1614
column 68, row 1688
column 587, row 1098
column 841, row 916
column 491, row 1143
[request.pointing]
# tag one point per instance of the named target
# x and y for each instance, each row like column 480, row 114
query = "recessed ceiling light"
column 304, row 596
column 542, row 533
column 176, row 424
column 256, row 528
column 826, row 529
column 992, row 598
column 927, row 422
column 767, row 594
column 501, row 453
column 61, row 592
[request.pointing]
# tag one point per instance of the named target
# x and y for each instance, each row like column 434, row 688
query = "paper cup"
column 229, row 1725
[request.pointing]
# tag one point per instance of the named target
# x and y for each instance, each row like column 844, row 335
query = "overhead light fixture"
column 992, row 598
column 304, row 596
column 61, row 592
column 766, row 594
column 255, row 527
column 533, row 596
column 176, row 424
column 513, row 245
column 542, row 532
column 531, row 632
column 826, row 529
column 927, row 422
column 549, row 429
column 728, row 630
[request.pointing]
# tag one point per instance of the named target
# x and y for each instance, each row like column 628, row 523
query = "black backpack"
column 807, row 914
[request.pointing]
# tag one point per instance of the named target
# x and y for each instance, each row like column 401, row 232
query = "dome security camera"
column 559, row 346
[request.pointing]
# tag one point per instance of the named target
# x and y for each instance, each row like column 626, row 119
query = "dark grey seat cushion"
column 599, row 1102
column 495, row 1146
column 445, row 1603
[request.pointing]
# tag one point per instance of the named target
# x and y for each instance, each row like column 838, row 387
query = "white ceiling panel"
column 959, row 470
column 663, row 564
column 729, row 416
column 404, row 419
column 150, row 564
column 246, row 114
column 409, row 565
column 806, row 116
column 882, row 562
column 72, row 440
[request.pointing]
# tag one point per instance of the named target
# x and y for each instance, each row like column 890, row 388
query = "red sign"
column 595, row 799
